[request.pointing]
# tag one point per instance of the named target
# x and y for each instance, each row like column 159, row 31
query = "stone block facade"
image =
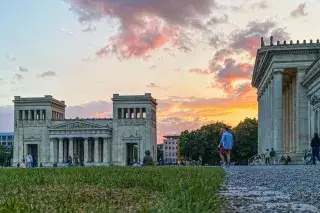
column 286, row 77
column 41, row 129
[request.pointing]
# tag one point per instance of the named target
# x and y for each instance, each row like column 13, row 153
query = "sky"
column 196, row 57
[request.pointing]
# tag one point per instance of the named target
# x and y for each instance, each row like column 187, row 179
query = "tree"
column 202, row 143
column 246, row 140
column 5, row 156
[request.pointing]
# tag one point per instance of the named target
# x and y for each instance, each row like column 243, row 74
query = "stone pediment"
column 131, row 136
column 79, row 125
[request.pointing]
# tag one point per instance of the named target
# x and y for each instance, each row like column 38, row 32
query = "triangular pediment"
column 79, row 125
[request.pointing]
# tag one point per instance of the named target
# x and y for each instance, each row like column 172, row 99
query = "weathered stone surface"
column 293, row 74
column 39, row 122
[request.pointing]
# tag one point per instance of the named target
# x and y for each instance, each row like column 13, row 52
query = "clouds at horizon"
column 174, row 114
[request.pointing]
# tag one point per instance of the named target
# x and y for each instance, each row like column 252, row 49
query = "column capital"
column 278, row 70
column 302, row 67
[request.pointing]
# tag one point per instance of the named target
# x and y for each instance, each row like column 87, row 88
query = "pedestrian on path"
column 267, row 157
column 315, row 144
column 225, row 146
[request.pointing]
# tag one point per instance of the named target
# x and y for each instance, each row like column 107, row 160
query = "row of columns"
column 266, row 112
column 61, row 149
column 289, row 108
column 57, row 115
column 131, row 113
column 274, row 110
column 33, row 114
column 283, row 113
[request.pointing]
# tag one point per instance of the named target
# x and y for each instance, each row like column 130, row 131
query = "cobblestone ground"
column 273, row 188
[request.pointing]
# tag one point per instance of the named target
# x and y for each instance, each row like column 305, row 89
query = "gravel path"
column 273, row 188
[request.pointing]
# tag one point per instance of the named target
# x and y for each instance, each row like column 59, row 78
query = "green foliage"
column 112, row 189
column 5, row 156
column 202, row 142
column 246, row 142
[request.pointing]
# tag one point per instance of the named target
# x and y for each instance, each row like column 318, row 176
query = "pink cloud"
column 144, row 25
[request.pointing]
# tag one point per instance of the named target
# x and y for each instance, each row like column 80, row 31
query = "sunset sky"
column 194, row 56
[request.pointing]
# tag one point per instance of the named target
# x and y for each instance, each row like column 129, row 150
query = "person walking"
column 225, row 146
column 267, row 157
column 29, row 161
column 273, row 156
column 315, row 144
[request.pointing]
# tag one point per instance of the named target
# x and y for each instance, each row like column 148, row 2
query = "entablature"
column 313, row 72
column 266, row 54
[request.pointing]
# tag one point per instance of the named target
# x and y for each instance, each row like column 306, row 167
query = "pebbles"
column 290, row 188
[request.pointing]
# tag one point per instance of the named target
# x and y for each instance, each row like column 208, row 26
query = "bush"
column 112, row 189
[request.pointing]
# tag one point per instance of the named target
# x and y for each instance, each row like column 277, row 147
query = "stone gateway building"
column 41, row 129
column 287, row 77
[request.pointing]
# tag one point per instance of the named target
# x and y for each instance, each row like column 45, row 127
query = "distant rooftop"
column 290, row 43
column 46, row 98
column 145, row 97
column 6, row 133
column 172, row 136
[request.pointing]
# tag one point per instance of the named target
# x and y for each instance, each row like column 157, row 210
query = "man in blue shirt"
column 225, row 146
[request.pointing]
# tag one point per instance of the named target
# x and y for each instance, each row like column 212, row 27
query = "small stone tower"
column 134, row 128
column 32, row 116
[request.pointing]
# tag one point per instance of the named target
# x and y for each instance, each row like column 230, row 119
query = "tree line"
column 203, row 142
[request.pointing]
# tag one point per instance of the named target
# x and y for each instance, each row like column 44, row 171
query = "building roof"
column 172, row 136
column 44, row 99
column 266, row 52
column 147, row 97
column 6, row 133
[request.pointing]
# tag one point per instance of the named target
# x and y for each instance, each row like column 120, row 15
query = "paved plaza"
column 273, row 188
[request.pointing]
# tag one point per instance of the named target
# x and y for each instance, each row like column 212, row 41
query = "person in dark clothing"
column 147, row 160
column 315, row 144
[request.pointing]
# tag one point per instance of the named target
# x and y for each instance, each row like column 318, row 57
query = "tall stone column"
column 86, row 150
column 293, row 103
column 270, row 145
column 52, row 154
column 263, row 141
column 259, row 122
column 285, row 118
column 271, row 111
column 301, row 113
column 71, row 147
column 135, row 113
column 318, row 124
column 96, row 150
column 290, row 117
column 106, row 150
column 267, row 115
column 141, row 113
column 60, row 150
column 277, row 105
column 122, row 113
column 264, row 119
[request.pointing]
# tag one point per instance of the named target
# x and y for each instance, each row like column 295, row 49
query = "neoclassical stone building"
column 287, row 77
column 41, row 129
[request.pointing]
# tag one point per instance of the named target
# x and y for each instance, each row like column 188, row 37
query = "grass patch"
column 111, row 189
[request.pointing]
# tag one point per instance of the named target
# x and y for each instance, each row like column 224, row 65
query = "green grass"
column 112, row 189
